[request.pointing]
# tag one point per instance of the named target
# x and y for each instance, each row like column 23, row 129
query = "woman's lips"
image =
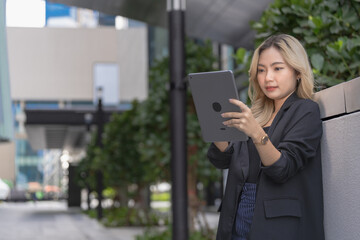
column 270, row 89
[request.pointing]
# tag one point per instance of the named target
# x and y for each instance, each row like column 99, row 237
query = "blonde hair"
column 295, row 56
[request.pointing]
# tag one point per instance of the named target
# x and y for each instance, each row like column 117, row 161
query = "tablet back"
column 211, row 92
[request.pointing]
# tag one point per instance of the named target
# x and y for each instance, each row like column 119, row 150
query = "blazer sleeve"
column 299, row 144
column 220, row 159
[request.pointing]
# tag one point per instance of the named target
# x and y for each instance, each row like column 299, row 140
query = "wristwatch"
column 264, row 139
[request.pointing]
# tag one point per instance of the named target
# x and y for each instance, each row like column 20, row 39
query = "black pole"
column 176, row 12
column 99, row 174
column 220, row 65
column 88, row 120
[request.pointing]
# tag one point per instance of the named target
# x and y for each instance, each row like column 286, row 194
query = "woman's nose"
column 269, row 76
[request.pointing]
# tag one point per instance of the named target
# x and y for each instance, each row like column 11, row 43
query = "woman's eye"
column 261, row 70
column 278, row 68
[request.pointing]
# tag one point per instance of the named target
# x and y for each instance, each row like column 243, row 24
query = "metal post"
column 99, row 174
column 88, row 117
column 220, row 65
column 176, row 12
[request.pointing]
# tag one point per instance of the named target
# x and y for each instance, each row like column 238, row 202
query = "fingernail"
column 222, row 115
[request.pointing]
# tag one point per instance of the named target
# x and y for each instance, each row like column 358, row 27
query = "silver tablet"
column 211, row 92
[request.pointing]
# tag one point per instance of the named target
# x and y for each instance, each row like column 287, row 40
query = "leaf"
column 298, row 10
column 335, row 28
column 286, row 10
column 240, row 55
column 257, row 25
column 338, row 45
column 326, row 17
column 332, row 52
column 317, row 60
column 311, row 39
column 332, row 5
column 356, row 25
column 317, row 21
column 298, row 30
column 356, row 41
column 311, row 23
column 351, row 17
column 303, row 23
column 279, row 19
column 355, row 65
column 341, row 68
column 276, row 11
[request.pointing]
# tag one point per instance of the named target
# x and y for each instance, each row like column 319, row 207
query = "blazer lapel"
column 290, row 100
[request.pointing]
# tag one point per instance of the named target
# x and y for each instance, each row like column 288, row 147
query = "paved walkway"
column 55, row 221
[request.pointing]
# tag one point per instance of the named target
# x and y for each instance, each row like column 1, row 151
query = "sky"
column 25, row 13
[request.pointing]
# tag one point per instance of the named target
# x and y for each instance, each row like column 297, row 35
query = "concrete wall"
column 340, row 107
column 7, row 163
column 341, row 175
column 57, row 64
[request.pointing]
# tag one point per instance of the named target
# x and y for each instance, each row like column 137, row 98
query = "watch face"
column 264, row 140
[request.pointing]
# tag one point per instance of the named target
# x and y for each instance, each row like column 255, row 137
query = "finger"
column 235, row 125
column 233, row 115
column 233, row 122
column 240, row 104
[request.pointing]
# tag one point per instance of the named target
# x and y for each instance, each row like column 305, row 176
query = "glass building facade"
column 6, row 116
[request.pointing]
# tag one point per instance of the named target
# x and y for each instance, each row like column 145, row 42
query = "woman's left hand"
column 243, row 121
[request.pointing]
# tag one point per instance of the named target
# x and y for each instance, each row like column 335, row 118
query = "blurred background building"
column 57, row 57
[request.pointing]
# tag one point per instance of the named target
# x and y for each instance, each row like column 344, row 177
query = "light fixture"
column 88, row 117
column 99, row 92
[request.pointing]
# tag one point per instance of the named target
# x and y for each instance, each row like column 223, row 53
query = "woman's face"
column 276, row 78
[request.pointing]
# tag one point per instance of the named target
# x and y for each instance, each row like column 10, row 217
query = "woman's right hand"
column 221, row 145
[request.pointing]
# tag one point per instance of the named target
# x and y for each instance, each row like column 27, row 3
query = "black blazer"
column 289, row 199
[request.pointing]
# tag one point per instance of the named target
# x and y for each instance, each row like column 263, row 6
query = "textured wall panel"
column 341, row 175
column 331, row 101
column 352, row 96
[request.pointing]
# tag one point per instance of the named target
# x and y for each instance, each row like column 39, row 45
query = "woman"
column 274, row 185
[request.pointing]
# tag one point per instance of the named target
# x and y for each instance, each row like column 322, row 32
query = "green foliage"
column 241, row 72
column 199, row 58
column 328, row 29
column 124, row 164
column 117, row 217
column 153, row 234
column 91, row 213
column 243, row 59
column 123, row 216
column 109, row 193
column 136, row 143
column 156, row 234
column 87, row 167
column 155, row 116
column 164, row 196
